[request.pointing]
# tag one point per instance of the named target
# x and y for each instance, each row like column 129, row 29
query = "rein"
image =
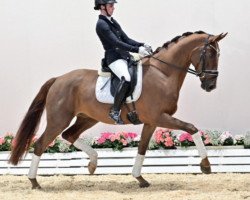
column 189, row 70
column 204, row 71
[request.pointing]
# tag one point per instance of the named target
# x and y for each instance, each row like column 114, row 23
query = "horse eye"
column 211, row 55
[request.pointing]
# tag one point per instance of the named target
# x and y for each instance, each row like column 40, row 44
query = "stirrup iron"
column 116, row 116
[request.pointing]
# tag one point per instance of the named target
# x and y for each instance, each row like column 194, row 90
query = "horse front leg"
column 147, row 132
column 165, row 120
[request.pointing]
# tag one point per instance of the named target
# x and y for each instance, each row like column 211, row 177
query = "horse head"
column 205, row 60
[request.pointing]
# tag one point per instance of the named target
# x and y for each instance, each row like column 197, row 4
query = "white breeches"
column 120, row 68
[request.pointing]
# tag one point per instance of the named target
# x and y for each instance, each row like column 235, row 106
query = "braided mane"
column 176, row 39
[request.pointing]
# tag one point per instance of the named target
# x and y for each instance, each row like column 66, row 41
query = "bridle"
column 202, row 62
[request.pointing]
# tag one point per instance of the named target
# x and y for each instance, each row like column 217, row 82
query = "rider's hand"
column 143, row 51
column 148, row 47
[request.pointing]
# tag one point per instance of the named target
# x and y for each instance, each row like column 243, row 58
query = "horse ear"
column 217, row 38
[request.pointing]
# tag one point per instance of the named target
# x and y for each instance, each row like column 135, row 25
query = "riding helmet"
column 98, row 3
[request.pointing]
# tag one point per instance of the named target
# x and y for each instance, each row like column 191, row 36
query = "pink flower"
column 182, row 137
column 8, row 134
column 163, row 137
column 112, row 138
column 13, row 143
column 101, row 140
column 117, row 136
column 132, row 135
column 124, row 142
column 167, row 134
column 52, row 144
column 224, row 136
column 169, row 142
column 207, row 141
column 202, row 133
column 161, row 134
column 125, row 135
column 185, row 136
column 158, row 136
column 205, row 138
column 2, row 140
column 106, row 135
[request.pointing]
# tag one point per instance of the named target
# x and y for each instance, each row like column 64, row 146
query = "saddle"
column 108, row 82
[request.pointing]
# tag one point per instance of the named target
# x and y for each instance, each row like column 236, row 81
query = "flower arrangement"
column 247, row 140
column 223, row 138
column 205, row 137
column 162, row 138
column 116, row 141
column 185, row 139
column 239, row 139
column 6, row 142
column 214, row 137
column 226, row 138
column 58, row 145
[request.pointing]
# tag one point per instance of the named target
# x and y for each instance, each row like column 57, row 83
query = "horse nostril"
column 211, row 87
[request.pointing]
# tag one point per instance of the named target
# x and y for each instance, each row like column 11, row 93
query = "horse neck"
column 178, row 55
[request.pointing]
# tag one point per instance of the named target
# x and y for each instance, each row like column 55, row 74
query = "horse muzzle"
column 208, row 86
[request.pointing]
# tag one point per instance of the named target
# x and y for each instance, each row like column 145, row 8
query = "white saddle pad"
column 102, row 89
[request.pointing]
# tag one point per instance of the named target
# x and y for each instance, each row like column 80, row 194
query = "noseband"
column 202, row 62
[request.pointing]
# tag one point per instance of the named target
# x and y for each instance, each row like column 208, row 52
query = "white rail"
column 110, row 162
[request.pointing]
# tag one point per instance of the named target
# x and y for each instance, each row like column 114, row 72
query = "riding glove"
column 148, row 47
column 143, row 51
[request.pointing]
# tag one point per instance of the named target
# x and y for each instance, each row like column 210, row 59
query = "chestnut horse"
column 73, row 94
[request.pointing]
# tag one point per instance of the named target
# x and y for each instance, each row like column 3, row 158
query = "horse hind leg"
column 72, row 135
column 53, row 129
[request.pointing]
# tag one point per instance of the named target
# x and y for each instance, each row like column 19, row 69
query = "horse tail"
column 29, row 125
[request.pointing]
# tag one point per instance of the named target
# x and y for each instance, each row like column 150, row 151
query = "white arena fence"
column 184, row 160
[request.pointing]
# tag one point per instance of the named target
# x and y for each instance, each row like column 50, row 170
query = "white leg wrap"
column 34, row 166
column 199, row 145
column 138, row 165
column 79, row 143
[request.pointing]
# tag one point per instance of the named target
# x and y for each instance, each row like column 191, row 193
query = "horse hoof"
column 144, row 184
column 205, row 169
column 37, row 187
column 91, row 168
column 35, row 184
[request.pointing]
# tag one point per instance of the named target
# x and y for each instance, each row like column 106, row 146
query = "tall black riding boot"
column 120, row 97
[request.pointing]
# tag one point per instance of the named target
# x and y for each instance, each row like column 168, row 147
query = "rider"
column 117, row 46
